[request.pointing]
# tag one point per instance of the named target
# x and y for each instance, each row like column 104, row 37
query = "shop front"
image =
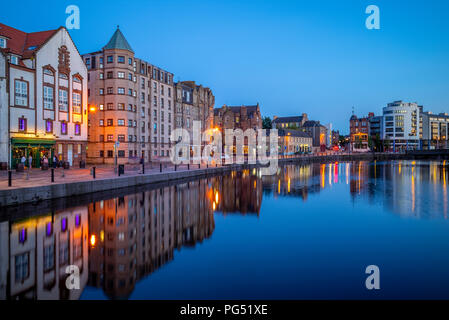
column 37, row 148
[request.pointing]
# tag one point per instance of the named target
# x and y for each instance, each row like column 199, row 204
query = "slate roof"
column 287, row 119
column 118, row 41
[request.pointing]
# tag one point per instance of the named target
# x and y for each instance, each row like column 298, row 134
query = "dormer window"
column 2, row 43
column 14, row 60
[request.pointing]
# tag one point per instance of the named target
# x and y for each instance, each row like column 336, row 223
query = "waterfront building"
column 131, row 105
column 318, row 132
column 294, row 142
column 359, row 132
column 294, row 122
column 401, row 121
column 193, row 103
column 43, row 97
column 241, row 117
column 434, row 130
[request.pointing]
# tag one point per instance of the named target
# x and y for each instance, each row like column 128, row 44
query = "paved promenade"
column 38, row 177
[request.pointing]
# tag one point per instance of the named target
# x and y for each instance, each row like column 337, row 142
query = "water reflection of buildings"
column 239, row 192
column 134, row 235
column 35, row 252
column 407, row 188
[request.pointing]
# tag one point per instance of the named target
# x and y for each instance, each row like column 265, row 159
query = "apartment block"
column 131, row 106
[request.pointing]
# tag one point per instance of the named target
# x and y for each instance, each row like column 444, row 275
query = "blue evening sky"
column 290, row 56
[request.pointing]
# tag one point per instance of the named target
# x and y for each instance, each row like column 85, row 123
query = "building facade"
column 294, row 142
column 401, row 125
column 242, row 117
column 359, row 130
column 294, row 122
column 193, row 103
column 44, row 81
column 131, row 106
column 434, row 130
column 318, row 132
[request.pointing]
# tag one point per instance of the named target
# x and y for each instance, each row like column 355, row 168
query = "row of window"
column 21, row 97
column 121, row 153
column 23, row 126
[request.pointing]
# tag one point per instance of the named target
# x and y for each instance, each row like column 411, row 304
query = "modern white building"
column 43, row 96
column 401, row 125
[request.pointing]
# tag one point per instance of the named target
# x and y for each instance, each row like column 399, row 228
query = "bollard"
column 176, row 167
column 93, row 172
column 143, row 168
column 52, row 175
column 188, row 166
column 160, row 169
column 9, row 178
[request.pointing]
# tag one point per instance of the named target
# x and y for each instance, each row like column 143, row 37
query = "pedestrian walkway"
column 38, row 177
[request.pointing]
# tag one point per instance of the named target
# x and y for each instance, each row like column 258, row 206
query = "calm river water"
column 308, row 232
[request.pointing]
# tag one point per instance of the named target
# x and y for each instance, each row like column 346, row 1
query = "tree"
column 266, row 123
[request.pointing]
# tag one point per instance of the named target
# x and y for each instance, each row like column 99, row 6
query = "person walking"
column 23, row 160
column 30, row 161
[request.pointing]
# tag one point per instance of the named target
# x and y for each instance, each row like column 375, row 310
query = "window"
column 130, row 61
column 120, row 122
column 120, row 75
column 63, row 100
column 110, row 90
column 49, row 126
column 101, row 137
column 49, row 102
column 121, row 59
column 101, row 91
column 21, row 93
column 2, row 43
column 120, row 106
column 63, row 129
column 101, row 76
column 110, row 106
column 14, row 60
column 121, row 137
column 130, row 123
column 121, row 90
column 21, row 267
column 101, row 153
column 110, row 154
column 110, row 59
column 101, row 122
column 77, row 129
column 76, row 102
column 110, row 137
column 169, row 92
column 110, row 122
column 130, row 77
column 22, row 124
column 130, row 92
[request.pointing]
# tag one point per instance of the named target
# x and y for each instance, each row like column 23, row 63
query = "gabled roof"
column 237, row 109
column 312, row 123
column 287, row 119
column 22, row 43
column 293, row 133
column 118, row 41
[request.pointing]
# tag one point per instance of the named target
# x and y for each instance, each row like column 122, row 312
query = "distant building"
column 294, row 122
column 335, row 137
column 434, row 133
column 317, row 131
column 242, row 117
column 294, row 141
column 401, row 122
column 193, row 103
column 359, row 131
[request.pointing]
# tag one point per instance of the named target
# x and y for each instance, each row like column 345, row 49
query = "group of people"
column 44, row 161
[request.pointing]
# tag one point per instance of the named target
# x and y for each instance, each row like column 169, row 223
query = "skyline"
column 268, row 63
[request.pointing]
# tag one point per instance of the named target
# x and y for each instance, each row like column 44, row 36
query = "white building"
column 47, row 91
column 401, row 125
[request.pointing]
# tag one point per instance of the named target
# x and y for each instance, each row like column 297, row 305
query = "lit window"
column 21, row 93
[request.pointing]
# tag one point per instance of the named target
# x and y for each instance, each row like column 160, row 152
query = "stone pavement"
column 38, row 177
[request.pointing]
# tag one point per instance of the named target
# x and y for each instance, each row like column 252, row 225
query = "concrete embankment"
column 12, row 197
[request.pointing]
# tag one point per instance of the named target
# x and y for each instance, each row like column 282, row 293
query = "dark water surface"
column 308, row 232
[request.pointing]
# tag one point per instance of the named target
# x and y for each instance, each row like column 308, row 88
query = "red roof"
column 22, row 43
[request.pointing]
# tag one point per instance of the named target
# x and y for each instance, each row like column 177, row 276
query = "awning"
column 25, row 142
